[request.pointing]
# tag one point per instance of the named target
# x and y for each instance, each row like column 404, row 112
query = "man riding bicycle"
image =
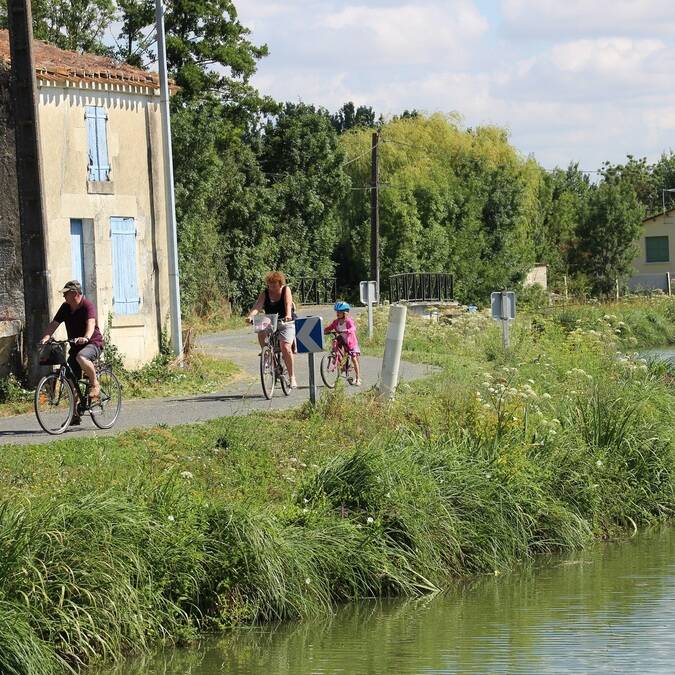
column 79, row 315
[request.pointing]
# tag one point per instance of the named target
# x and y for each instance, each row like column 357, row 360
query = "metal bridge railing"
column 314, row 290
column 420, row 287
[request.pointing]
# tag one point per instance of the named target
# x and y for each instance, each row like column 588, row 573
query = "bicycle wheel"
column 105, row 413
column 282, row 371
column 267, row 374
column 54, row 404
column 330, row 370
column 348, row 370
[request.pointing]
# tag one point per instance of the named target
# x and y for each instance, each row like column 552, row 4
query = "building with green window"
column 104, row 194
column 655, row 261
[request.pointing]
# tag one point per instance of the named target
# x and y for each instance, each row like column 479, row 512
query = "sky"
column 572, row 80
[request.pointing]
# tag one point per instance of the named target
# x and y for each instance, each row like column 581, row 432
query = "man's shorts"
column 90, row 352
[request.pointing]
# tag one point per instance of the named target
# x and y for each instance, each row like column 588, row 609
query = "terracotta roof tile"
column 52, row 63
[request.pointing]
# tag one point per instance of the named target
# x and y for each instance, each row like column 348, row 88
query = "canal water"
column 660, row 354
column 608, row 609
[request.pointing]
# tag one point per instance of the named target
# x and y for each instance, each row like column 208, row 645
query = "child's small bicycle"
column 337, row 362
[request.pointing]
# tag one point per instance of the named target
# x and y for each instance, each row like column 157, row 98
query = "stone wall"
column 11, row 274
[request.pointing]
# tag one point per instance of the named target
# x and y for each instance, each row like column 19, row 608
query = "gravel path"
column 242, row 396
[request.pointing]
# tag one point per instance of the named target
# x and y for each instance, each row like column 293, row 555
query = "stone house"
column 103, row 179
column 655, row 260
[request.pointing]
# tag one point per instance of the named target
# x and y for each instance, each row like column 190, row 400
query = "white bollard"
column 392, row 351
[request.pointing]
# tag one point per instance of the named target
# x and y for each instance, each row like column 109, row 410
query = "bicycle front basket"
column 265, row 322
column 52, row 355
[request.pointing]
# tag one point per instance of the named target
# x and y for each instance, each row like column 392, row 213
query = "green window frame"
column 656, row 249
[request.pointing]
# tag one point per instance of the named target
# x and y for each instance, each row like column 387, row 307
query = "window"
column 126, row 299
column 99, row 165
column 657, row 249
column 77, row 250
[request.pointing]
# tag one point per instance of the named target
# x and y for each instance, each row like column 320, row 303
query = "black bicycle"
column 59, row 395
column 272, row 365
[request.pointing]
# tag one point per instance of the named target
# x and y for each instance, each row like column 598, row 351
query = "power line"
column 354, row 159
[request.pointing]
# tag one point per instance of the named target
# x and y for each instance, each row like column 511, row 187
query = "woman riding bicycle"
column 278, row 299
column 345, row 328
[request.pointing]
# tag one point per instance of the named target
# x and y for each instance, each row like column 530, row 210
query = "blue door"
column 77, row 250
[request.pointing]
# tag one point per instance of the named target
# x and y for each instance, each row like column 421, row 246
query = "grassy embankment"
column 113, row 544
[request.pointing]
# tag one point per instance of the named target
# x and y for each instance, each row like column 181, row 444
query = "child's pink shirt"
column 347, row 330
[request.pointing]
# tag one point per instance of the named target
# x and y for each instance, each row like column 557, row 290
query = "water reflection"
column 661, row 354
column 607, row 610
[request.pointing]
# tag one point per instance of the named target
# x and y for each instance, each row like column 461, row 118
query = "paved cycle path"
column 242, row 396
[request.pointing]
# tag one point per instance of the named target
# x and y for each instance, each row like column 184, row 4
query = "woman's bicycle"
column 59, row 396
column 338, row 361
column 272, row 365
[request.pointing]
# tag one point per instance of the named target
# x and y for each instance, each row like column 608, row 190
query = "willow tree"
column 451, row 200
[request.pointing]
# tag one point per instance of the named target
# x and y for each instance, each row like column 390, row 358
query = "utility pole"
column 375, row 212
column 36, row 281
column 174, row 287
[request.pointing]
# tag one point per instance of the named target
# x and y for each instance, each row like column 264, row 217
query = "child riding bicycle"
column 345, row 328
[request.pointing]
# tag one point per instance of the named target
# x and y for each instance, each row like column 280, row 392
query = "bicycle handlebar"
column 52, row 341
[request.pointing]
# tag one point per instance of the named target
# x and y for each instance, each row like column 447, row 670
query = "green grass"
column 114, row 544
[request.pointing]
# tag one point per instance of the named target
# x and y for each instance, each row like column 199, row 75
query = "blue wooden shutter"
column 77, row 248
column 97, row 137
column 126, row 298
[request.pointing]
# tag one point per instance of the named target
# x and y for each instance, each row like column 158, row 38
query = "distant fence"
column 420, row 287
column 314, row 290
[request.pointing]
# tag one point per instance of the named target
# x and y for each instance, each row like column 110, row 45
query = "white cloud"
column 607, row 55
column 595, row 84
column 553, row 18
column 411, row 33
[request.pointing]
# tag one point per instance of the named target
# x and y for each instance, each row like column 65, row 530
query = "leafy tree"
column 606, row 238
column 349, row 117
column 563, row 199
column 301, row 157
column 208, row 50
column 451, row 201
column 651, row 182
column 136, row 40
column 76, row 25
column 641, row 178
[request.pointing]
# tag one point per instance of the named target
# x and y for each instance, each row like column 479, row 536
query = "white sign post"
column 392, row 351
column 369, row 295
column 309, row 340
column 504, row 310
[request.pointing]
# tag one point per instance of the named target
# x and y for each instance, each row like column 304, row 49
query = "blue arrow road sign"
column 309, row 334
